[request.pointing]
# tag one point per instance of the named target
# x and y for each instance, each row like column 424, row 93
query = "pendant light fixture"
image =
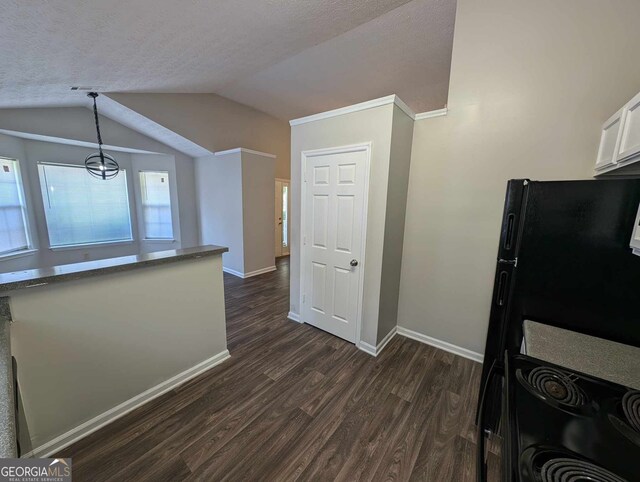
column 100, row 165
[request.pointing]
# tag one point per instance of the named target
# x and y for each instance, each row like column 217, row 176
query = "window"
column 14, row 232
column 156, row 205
column 81, row 209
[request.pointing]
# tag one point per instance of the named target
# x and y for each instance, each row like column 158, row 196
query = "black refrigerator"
column 564, row 259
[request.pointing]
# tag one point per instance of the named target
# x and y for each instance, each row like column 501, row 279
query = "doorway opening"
column 282, row 226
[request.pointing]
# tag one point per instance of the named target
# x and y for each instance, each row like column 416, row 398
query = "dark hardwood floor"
column 295, row 403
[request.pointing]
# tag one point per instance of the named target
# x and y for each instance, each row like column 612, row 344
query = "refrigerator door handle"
column 508, row 239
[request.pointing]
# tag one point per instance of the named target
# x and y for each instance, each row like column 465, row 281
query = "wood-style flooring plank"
column 295, row 403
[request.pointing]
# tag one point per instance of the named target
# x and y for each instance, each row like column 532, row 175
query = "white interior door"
column 283, row 197
column 332, row 239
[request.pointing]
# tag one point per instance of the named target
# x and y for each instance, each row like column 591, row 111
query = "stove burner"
column 563, row 469
column 557, row 385
column 631, row 409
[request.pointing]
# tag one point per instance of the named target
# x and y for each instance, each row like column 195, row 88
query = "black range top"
column 565, row 426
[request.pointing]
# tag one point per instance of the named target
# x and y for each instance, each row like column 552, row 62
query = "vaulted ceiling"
column 288, row 58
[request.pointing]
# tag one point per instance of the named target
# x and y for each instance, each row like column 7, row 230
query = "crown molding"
column 247, row 151
column 431, row 113
column 404, row 107
column 370, row 104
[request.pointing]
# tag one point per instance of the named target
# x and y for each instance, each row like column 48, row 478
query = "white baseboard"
column 376, row 350
column 268, row 269
column 233, row 272
column 386, row 340
column 365, row 347
column 294, row 317
column 96, row 423
column 443, row 345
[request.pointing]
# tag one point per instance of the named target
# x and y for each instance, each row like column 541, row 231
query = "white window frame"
column 65, row 247
column 25, row 215
column 146, row 238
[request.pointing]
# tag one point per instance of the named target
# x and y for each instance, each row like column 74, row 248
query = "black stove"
column 563, row 426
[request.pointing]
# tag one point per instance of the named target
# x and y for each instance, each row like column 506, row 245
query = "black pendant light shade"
column 100, row 165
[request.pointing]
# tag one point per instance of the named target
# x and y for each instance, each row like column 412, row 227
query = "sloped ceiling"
column 288, row 57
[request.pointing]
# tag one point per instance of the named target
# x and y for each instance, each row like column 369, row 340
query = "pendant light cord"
column 95, row 115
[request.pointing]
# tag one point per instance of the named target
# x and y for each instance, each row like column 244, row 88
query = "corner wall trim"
column 431, row 113
column 365, row 347
column 242, row 149
column 443, row 345
column 124, row 408
column 294, row 317
column 370, row 104
column 376, row 350
column 239, row 274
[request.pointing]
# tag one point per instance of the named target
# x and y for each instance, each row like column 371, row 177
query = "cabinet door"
column 630, row 138
column 609, row 141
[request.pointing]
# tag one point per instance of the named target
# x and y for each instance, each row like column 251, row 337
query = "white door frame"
column 363, row 147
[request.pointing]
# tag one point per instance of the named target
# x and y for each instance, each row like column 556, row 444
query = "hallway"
column 296, row 403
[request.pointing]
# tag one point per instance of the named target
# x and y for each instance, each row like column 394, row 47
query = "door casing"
column 362, row 147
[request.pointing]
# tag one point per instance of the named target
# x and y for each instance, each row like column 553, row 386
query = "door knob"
column 354, row 262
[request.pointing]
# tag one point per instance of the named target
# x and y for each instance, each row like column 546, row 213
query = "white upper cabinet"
column 630, row 139
column 620, row 139
column 609, row 140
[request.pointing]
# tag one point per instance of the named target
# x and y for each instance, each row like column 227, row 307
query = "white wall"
column 531, row 85
column 236, row 208
column 219, row 192
column 109, row 338
column 372, row 125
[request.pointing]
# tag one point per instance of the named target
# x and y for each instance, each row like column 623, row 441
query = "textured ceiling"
column 286, row 57
column 406, row 52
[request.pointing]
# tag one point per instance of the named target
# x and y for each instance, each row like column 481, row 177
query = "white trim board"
column 257, row 272
column 294, row 317
column 242, row 149
column 432, row 113
column 370, row 104
column 376, row 350
column 443, row 345
column 55, row 445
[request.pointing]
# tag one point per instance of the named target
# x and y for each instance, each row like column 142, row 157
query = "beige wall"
column 258, row 201
column 215, row 123
column 397, row 185
column 372, row 125
column 531, row 85
column 79, row 357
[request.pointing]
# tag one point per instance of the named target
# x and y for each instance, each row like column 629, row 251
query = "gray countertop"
column 45, row 276
column 598, row 357
column 7, row 409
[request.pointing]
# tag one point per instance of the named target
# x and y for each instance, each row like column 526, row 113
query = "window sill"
column 151, row 240
column 90, row 245
column 18, row 254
